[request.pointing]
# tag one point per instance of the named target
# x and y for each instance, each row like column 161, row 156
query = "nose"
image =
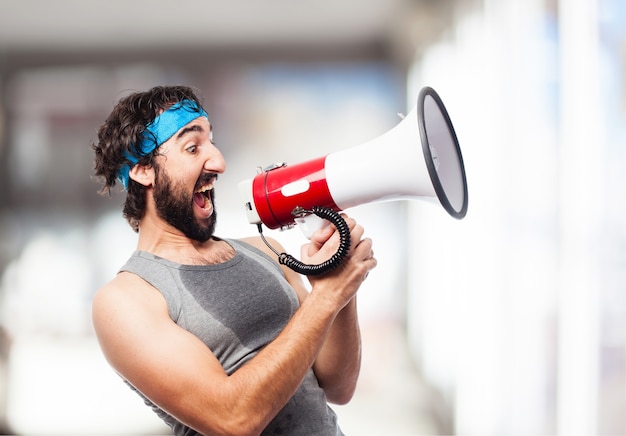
column 215, row 161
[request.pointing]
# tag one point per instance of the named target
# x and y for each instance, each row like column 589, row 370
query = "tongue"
column 199, row 199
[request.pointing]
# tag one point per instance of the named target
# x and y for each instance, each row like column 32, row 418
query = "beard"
column 175, row 206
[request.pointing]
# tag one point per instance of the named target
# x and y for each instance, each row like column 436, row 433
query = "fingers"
column 363, row 250
column 345, row 280
column 322, row 235
column 329, row 234
column 362, row 246
column 356, row 230
column 363, row 257
column 324, row 242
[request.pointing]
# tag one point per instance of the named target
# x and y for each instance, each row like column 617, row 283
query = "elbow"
column 339, row 387
column 340, row 395
column 236, row 420
column 236, row 426
column 243, row 429
column 341, row 400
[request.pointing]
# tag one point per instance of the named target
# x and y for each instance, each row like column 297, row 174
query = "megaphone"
column 390, row 167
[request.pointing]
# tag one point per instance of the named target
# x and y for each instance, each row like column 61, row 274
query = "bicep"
column 169, row 365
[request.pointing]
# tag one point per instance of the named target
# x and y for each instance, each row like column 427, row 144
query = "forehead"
column 170, row 121
column 200, row 125
column 198, row 130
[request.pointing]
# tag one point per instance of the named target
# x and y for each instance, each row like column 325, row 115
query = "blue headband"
column 164, row 126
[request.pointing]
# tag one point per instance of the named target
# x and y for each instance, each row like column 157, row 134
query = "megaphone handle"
column 335, row 259
column 310, row 223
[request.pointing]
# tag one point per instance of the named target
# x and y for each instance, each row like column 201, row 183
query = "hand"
column 344, row 281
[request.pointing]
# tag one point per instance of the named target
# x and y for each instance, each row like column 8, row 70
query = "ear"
column 142, row 174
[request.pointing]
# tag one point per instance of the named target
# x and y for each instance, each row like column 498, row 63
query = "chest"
column 237, row 310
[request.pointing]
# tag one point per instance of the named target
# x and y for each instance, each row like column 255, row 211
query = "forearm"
column 338, row 364
column 268, row 381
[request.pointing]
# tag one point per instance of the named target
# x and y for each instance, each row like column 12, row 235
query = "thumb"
column 321, row 236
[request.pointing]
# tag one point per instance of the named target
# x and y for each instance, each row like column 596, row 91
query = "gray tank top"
column 236, row 308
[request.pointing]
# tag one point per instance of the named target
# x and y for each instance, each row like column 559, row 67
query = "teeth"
column 205, row 188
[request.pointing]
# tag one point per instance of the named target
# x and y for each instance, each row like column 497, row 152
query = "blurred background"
column 511, row 321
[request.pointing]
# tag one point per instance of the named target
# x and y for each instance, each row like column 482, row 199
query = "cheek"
column 183, row 171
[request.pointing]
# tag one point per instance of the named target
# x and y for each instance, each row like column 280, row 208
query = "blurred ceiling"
column 35, row 27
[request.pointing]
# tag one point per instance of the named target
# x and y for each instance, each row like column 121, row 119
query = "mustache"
column 206, row 178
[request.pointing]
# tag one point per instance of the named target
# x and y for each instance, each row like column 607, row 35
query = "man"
column 215, row 335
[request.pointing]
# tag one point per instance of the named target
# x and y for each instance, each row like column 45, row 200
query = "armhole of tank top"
column 173, row 298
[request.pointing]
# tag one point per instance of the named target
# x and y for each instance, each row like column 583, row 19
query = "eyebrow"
column 190, row 129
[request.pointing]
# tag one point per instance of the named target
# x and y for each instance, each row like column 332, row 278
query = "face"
column 184, row 178
column 175, row 204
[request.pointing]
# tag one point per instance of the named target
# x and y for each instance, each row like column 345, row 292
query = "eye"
column 192, row 149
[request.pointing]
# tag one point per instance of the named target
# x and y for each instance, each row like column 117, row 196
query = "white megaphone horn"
column 392, row 166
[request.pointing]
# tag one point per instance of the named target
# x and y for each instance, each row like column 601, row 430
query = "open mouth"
column 202, row 196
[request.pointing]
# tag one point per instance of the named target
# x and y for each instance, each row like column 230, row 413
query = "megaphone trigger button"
column 273, row 167
column 299, row 212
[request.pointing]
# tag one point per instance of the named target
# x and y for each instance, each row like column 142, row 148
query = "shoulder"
column 258, row 243
column 126, row 286
column 126, row 299
column 125, row 312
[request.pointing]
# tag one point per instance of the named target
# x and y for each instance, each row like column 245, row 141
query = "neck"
column 161, row 239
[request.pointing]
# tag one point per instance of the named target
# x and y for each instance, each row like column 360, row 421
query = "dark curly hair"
column 122, row 130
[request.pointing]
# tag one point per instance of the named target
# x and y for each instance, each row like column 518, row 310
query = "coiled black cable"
column 328, row 265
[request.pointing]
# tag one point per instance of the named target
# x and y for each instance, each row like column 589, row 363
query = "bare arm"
column 179, row 374
column 338, row 364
